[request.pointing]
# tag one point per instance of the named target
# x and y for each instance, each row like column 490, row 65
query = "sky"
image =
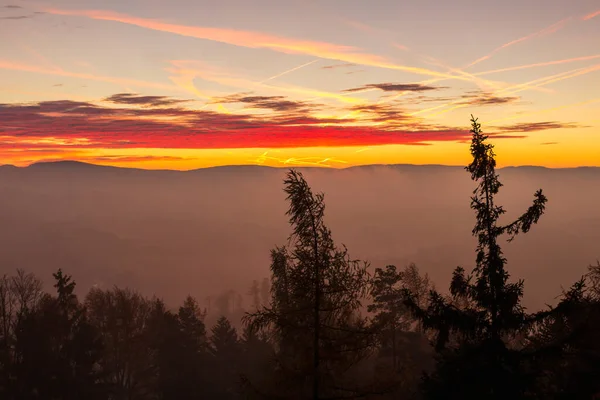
column 184, row 84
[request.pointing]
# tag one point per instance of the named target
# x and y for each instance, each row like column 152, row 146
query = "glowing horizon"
column 300, row 84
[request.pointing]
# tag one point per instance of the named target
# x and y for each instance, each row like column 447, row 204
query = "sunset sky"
column 184, row 84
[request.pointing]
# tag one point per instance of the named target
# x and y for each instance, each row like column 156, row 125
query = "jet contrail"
column 288, row 71
column 541, row 64
column 546, row 31
column 590, row 16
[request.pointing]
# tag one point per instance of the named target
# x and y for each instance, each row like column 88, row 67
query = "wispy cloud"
column 547, row 110
column 13, row 6
column 289, row 71
column 335, row 66
column 18, row 66
column 456, row 104
column 486, row 99
column 185, row 71
column 274, row 103
column 314, row 161
column 395, row 87
column 542, row 32
column 17, row 17
column 540, row 64
column 251, row 39
column 537, row 126
column 136, row 159
column 146, row 101
column 591, row 15
column 71, row 124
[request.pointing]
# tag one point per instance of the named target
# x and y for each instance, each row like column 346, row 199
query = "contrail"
column 590, row 16
column 523, row 85
column 256, row 40
column 546, row 31
column 288, row 71
column 541, row 64
column 545, row 81
column 16, row 66
column 546, row 110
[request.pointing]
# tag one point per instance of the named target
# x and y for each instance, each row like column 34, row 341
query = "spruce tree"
column 480, row 364
column 390, row 315
column 57, row 350
column 226, row 349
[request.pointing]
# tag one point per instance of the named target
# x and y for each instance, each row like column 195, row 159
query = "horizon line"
column 84, row 163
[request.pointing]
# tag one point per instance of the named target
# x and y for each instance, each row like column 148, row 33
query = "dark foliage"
column 320, row 328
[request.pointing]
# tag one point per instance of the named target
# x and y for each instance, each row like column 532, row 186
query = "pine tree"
column 256, row 360
column 254, row 293
column 403, row 351
column 481, row 365
column 226, row 349
column 191, row 324
column 573, row 370
column 390, row 313
column 56, row 334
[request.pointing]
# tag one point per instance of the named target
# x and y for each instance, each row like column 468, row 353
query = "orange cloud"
column 257, row 40
column 592, row 15
column 16, row 66
column 314, row 161
column 73, row 125
column 186, row 70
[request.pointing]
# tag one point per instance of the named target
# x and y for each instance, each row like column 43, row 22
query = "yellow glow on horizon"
column 550, row 152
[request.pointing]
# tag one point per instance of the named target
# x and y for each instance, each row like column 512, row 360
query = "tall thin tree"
column 316, row 295
column 493, row 308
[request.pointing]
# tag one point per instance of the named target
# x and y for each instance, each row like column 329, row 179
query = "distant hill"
column 208, row 230
column 238, row 168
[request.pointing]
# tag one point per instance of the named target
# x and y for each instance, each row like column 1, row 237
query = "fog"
column 206, row 231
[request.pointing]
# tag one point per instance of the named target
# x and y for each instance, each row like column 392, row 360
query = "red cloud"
column 69, row 124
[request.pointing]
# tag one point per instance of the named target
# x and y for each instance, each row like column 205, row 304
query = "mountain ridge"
column 80, row 164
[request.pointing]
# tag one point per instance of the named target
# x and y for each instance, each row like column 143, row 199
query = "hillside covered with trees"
column 323, row 326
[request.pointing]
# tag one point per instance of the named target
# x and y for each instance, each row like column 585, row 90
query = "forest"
column 323, row 326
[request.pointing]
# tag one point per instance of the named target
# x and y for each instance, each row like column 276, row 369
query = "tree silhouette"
column 573, row 372
column 265, row 291
column 391, row 315
column 57, row 350
column 254, row 293
column 402, row 347
column 307, row 337
column 122, row 316
column 481, row 365
column 316, row 294
column 226, row 349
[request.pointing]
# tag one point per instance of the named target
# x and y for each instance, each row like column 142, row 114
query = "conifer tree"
column 191, row 323
column 316, row 292
column 481, row 365
column 226, row 349
column 390, row 313
column 572, row 372
column 57, row 350
column 254, row 293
